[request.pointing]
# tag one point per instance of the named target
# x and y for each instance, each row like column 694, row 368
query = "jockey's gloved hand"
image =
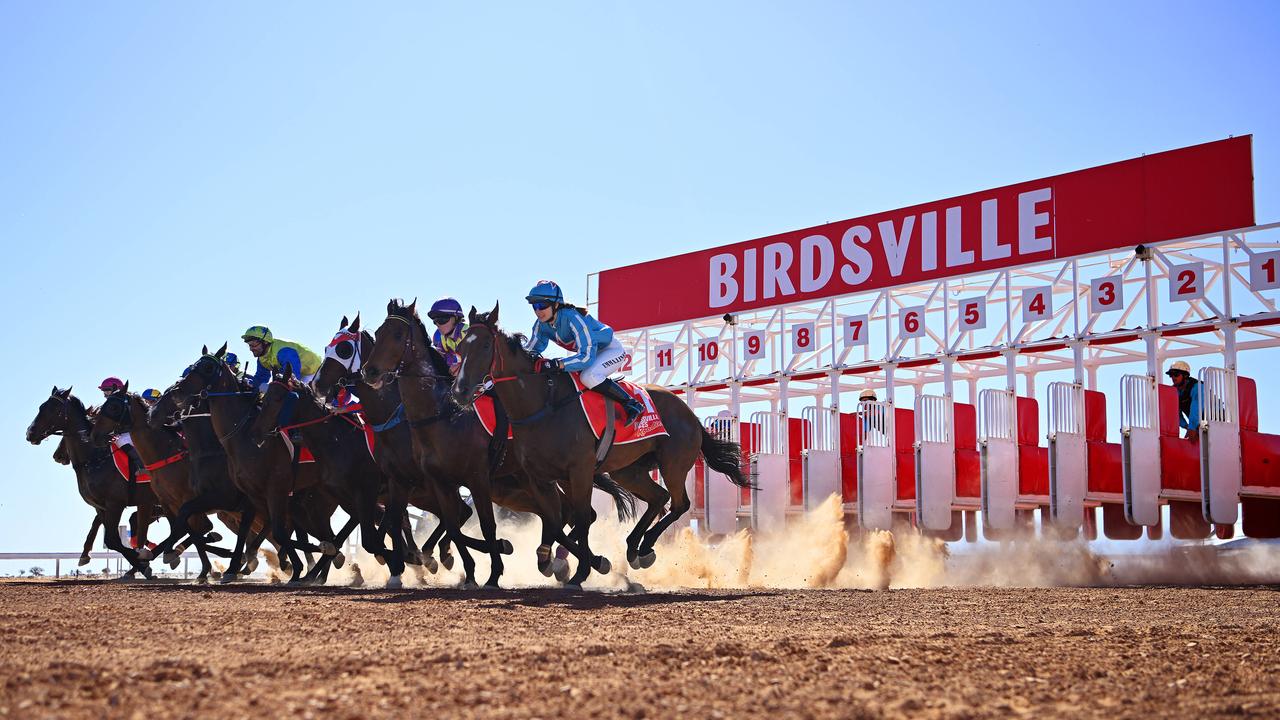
column 550, row 366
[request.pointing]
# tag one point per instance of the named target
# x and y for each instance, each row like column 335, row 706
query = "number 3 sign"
column 1106, row 294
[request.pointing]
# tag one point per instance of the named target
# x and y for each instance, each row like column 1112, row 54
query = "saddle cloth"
column 648, row 425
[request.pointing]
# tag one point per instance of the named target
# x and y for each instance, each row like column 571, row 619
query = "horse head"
column 396, row 343
column 114, row 417
column 52, row 416
column 343, row 359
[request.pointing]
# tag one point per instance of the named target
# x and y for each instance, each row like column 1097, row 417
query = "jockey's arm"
column 261, row 377
column 538, row 338
column 583, row 341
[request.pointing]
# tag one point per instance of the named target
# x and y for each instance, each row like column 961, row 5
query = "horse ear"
column 343, row 324
column 355, row 324
column 54, row 391
column 221, row 351
column 204, row 349
column 471, row 316
column 391, row 305
column 412, row 307
column 126, row 386
column 493, row 314
column 288, row 371
column 67, row 393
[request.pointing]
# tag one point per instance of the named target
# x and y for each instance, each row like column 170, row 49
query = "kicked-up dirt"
column 102, row 649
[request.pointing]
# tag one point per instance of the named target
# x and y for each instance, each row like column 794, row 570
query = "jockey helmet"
column 257, row 332
column 231, row 359
column 445, row 307
column 112, row 383
column 151, row 395
column 545, row 291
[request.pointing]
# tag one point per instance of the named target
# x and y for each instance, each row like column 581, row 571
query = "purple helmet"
column 445, row 307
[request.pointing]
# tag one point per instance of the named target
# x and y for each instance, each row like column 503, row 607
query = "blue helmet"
column 445, row 307
column 231, row 359
column 545, row 291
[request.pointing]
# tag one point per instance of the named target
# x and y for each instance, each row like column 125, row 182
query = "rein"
column 165, row 462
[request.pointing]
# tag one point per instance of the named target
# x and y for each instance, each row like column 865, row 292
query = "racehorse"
column 452, row 446
column 100, row 484
column 165, row 456
column 554, row 441
column 266, row 474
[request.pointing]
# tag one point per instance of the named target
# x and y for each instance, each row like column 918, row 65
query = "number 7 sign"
column 855, row 330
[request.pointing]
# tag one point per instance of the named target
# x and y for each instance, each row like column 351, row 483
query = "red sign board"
column 1192, row 191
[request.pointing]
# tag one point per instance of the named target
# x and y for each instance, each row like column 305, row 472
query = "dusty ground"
column 93, row 649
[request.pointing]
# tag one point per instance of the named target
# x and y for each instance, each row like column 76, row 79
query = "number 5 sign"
column 1186, row 282
column 855, row 330
column 803, row 338
column 973, row 313
column 1106, row 294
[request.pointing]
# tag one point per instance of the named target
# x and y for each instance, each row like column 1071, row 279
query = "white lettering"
column 991, row 247
column 749, row 275
column 857, row 255
column 1029, row 220
column 809, row 279
column 956, row 254
column 724, row 289
column 777, row 262
column 929, row 241
column 895, row 246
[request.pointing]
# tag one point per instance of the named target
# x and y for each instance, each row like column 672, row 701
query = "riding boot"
column 612, row 390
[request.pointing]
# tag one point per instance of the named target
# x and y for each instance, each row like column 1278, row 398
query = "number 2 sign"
column 1106, row 294
column 1186, row 282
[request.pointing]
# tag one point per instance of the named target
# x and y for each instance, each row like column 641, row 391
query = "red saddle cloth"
column 122, row 465
column 648, row 425
column 304, row 452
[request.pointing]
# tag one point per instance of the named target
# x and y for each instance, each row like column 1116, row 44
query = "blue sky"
column 170, row 176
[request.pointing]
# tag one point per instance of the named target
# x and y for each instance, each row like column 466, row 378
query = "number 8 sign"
column 1106, row 294
column 803, row 338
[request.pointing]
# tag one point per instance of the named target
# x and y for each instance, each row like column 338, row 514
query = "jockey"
column 446, row 313
column 595, row 354
column 123, row 440
column 150, row 396
column 274, row 355
column 110, row 386
column 233, row 362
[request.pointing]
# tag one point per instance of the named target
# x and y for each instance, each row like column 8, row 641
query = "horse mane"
column 404, row 312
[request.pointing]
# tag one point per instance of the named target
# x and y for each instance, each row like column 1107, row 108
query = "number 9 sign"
column 753, row 345
column 1186, row 282
column 911, row 322
column 1106, row 294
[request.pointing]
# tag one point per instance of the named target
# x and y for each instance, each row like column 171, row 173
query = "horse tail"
column 623, row 500
column 725, row 457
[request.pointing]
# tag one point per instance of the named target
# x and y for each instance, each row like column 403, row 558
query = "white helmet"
column 1178, row 366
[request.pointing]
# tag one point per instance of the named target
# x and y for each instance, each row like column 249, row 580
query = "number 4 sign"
column 1264, row 270
column 1106, row 294
column 1186, row 282
column 1037, row 304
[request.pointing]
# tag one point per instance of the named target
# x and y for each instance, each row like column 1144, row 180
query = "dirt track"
column 265, row 651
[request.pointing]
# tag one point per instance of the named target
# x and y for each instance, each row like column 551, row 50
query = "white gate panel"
column 998, row 446
column 821, row 476
column 721, row 498
column 935, row 450
column 1140, row 449
column 769, row 497
column 877, row 465
column 1068, row 458
column 1220, row 464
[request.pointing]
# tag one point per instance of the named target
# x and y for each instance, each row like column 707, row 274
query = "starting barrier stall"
column 975, row 298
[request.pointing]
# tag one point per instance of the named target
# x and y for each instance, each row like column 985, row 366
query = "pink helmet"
column 112, row 384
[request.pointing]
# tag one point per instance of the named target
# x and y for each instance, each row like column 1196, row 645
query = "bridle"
column 407, row 354
column 496, row 368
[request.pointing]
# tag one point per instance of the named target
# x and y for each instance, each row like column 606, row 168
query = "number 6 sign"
column 803, row 338
column 1186, row 282
column 753, row 345
column 911, row 322
column 1106, row 294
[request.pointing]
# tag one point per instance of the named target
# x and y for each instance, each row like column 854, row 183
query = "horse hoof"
column 560, row 568
column 381, row 560
column 545, row 568
column 339, row 560
column 414, row 559
column 173, row 565
column 635, row 587
column 492, row 585
column 430, row 564
column 394, row 583
column 602, row 565
column 212, row 537
column 446, row 559
column 251, row 565
column 227, row 578
column 573, row 587
column 215, row 575
column 633, row 561
column 202, row 580
column 505, row 548
column 648, row 559
column 144, row 554
column 84, row 560
column 328, row 548
column 469, row 585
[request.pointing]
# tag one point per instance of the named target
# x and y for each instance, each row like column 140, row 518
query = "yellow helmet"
column 257, row 332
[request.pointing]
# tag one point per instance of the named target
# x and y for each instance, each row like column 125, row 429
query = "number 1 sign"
column 1264, row 270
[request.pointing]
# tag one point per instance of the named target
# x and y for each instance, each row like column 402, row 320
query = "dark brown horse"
column 554, row 442
column 453, row 448
column 165, row 456
column 346, row 469
column 100, row 484
column 266, row 474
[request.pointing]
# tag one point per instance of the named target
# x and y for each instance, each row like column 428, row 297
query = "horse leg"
column 205, row 566
column 247, row 512
column 392, row 523
column 489, row 528
column 580, row 488
column 88, row 541
column 637, row 481
column 548, row 500
column 110, row 520
column 670, row 468
column 180, row 529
